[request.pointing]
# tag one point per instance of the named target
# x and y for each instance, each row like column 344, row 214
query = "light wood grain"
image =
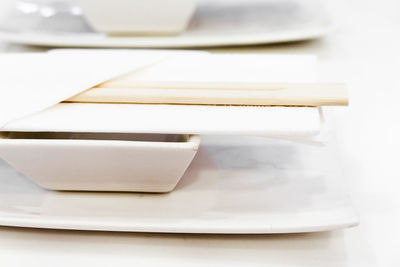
column 217, row 93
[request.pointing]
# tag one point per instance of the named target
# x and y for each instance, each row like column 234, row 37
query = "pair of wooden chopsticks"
column 122, row 90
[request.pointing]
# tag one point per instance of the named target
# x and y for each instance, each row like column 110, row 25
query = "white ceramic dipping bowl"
column 100, row 161
column 146, row 17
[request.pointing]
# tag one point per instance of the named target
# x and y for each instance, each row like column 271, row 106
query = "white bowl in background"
column 100, row 161
column 138, row 16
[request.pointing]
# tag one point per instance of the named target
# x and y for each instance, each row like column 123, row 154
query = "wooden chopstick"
column 217, row 93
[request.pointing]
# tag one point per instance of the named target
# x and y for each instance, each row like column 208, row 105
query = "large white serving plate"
column 234, row 185
column 215, row 23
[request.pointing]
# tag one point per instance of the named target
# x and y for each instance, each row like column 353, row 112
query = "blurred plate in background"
column 215, row 23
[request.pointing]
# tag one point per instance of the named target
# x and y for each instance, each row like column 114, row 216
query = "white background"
column 364, row 52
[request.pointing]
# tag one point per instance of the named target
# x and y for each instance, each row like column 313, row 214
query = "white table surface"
column 363, row 52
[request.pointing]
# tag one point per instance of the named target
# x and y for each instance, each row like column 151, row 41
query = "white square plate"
column 235, row 185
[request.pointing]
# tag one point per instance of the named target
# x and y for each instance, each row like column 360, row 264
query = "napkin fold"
column 31, row 82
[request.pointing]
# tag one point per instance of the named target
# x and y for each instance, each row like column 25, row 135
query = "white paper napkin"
column 31, row 82
column 277, row 122
column 232, row 68
column 63, row 73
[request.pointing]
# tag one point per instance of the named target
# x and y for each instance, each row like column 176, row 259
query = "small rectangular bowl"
column 100, row 161
column 143, row 17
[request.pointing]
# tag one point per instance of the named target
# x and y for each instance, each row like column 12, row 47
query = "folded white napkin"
column 31, row 82
column 285, row 122
column 43, row 80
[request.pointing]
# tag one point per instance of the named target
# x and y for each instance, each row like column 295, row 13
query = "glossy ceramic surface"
column 234, row 185
column 100, row 162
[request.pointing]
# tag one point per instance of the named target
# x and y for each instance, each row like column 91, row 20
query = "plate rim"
column 104, row 41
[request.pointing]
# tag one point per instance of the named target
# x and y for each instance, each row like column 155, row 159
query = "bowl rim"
column 191, row 141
